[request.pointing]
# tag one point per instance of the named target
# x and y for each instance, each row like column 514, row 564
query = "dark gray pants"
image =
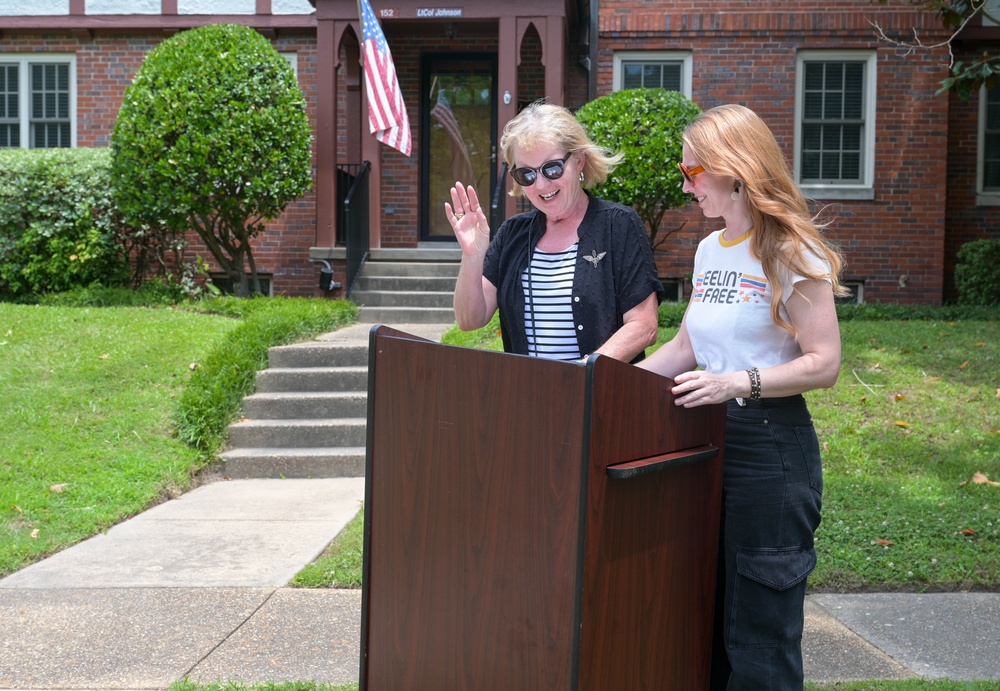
column 772, row 492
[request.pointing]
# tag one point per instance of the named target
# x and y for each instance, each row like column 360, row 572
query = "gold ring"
column 459, row 216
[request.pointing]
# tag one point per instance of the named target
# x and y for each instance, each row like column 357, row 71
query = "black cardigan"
column 615, row 272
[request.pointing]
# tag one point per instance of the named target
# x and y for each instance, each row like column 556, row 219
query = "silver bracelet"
column 754, row 383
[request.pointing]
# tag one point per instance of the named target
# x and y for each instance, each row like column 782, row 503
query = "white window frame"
column 857, row 288
column 24, row 61
column 684, row 57
column 983, row 197
column 866, row 189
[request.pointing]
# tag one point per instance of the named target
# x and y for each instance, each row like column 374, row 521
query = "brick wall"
column 745, row 52
column 965, row 220
column 901, row 244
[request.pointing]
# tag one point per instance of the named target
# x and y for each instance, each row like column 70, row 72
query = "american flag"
column 461, row 166
column 386, row 110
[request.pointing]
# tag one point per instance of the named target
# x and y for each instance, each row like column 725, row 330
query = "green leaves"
column 977, row 274
column 57, row 222
column 212, row 134
column 966, row 77
column 647, row 126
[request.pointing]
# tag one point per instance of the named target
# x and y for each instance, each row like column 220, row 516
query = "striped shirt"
column 548, row 305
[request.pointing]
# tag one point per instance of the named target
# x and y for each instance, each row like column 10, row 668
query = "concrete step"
column 318, row 354
column 386, row 298
column 416, row 269
column 293, row 434
column 307, row 417
column 408, row 284
column 438, row 252
column 407, row 315
column 294, row 462
column 305, row 405
column 277, row 379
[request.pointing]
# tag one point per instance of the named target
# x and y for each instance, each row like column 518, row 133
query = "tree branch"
column 963, row 77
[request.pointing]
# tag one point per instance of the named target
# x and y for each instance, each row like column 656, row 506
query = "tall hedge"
column 58, row 225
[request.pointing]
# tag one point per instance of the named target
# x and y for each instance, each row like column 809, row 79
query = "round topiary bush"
column 212, row 136
column 646, row 125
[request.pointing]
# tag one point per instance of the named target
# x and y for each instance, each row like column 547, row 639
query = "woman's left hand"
column 467, row 218
column 812, row 311
column 704, row 388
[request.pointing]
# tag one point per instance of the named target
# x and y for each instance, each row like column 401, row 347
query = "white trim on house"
column 124, row 6
column 839, row 190
column 33, row 8
column 24, row 61
column 984, row 197
column 684, row 59
column 55, row 8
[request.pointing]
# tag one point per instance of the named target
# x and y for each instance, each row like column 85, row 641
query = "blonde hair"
column 733, row 140
column 544, row 123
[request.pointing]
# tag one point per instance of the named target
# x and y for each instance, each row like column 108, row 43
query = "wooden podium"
column 532, row 524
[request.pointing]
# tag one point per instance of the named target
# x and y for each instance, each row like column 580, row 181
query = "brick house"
column 906, row 175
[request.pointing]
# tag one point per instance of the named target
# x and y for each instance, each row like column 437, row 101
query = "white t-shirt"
column 729, row 318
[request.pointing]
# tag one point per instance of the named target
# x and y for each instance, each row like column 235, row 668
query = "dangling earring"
column 581, row 176
column 735, row 196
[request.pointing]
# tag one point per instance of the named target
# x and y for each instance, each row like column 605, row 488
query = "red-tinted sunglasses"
column 689, row 173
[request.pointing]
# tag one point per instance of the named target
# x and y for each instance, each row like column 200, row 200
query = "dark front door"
column 459, row 106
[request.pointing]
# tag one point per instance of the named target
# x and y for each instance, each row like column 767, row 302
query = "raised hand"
column 472, row 229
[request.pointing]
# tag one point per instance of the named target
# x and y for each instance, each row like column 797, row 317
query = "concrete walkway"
column 196, row 588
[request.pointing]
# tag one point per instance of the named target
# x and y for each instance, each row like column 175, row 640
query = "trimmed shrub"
column 646, row 125
column 213, row 136
column 58, row 224
column 887, row 311
column 672, row 313
column 977, row 275
column 154, row 293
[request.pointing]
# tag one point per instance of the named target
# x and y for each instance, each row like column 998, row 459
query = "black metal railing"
column 353, row 217
column 498, row 207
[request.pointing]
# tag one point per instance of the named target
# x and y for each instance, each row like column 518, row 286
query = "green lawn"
column 107, row 410
column 914, row 417
column 86, row 418
column 88, row 440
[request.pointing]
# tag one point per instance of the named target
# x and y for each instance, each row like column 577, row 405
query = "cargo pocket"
column 768, row 596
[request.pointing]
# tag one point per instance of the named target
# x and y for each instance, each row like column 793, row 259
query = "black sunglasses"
column 552, row 170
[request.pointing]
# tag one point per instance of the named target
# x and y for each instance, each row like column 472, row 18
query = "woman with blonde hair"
column 759, row 331
column 573, row 277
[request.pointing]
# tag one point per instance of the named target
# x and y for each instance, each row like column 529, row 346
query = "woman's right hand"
column 472, row 229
